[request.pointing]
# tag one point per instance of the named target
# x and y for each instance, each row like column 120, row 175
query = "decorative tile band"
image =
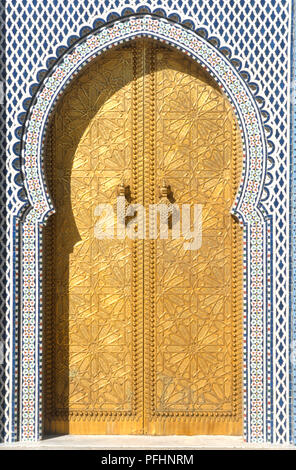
column 247, row 207
column 292, row 351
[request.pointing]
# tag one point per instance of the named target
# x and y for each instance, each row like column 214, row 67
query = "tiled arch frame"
column 250, row 206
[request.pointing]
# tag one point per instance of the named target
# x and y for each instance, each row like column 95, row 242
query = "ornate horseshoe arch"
column 250, row 206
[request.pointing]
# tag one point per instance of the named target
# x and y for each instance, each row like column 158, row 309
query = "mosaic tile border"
column 3, row 214
column 292, row 338
column 247, row 205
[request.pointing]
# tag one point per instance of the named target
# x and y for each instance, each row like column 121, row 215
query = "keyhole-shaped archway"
column 246, row 208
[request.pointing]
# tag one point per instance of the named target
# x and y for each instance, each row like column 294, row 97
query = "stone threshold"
column 73, row 442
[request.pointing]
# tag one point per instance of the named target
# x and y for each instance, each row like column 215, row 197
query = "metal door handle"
column 121, row 194
column 164, row 197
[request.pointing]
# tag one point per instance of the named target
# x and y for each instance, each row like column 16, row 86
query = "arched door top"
column 247, row 202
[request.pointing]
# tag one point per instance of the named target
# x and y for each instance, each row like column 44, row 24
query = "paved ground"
column 141, row 442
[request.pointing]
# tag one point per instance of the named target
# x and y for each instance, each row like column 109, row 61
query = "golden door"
column 142, row 336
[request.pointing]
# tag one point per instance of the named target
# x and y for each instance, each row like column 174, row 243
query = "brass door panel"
column 94, row 373
column 142, row 336
column 193, row 349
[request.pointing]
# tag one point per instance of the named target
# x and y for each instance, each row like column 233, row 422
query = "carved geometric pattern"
column 191, row 300
column 91, row 356
column 195, row 296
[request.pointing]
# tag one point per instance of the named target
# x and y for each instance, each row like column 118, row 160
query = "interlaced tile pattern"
column 2, row 217
column 256, row 31
column 293, row 230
